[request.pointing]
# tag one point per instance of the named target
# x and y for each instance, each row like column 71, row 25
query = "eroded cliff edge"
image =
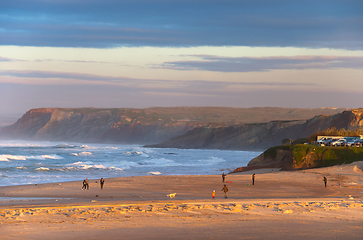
column 180, row 127
column 261, row 136
column 130, row 126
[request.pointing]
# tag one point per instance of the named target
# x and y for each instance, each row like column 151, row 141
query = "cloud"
column 111, row 23
column 4, row 59
column 253, row 64
column 59, row 75
column 163, row 85
column 71, row 61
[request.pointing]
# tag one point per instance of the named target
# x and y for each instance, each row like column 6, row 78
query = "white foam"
column 111, row 147
column 100, row 166
column 82, row 154
column 51, row 157
column 43, row 157
column 22, row 167
column 12, row 157
column 3, row 159
column 42, row 169
column 136, row 153
column 116, row 168
column 76, row 163
column 155, row 173
column 90, row 165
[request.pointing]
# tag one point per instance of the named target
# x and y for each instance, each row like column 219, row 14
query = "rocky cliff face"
column 187, row 127
column 95, row 125
column 262, row 136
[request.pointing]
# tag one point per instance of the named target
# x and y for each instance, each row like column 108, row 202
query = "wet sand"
column 289, row 204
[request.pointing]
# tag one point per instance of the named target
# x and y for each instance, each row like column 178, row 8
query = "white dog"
column 171, row 195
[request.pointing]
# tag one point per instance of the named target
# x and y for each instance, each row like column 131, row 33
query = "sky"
column 147, row 53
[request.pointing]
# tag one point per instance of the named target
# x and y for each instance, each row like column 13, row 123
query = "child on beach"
column 213, row 193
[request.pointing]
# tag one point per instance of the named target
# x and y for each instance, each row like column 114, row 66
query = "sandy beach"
column 281, row 205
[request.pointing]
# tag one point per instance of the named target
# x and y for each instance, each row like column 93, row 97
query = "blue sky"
column 143, row 53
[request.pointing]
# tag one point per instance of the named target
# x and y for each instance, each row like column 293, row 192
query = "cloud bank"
column 177, row 23
column 250, row 64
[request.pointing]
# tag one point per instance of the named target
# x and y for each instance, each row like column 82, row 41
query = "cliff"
column 96, row 125
column 293, row 157
column 261, row 136
column 197, row 127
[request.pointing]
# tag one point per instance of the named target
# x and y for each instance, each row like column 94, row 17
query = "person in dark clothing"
column 223, row 177
column 86, row 184
column 225, row 190
column 102, row 182
column 325, row 181
column 253, row 179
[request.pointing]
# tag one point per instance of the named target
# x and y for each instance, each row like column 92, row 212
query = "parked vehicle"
column 339, row 142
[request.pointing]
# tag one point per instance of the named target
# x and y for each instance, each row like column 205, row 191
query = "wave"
column 133, row 153
column 116, row 168
column 42, row 169
column 89, row 165
column 82, row 154
column 3, row 159
column 136, row 153
column 7, row 157
column 43, row 157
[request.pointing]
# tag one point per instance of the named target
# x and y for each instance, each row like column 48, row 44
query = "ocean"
column 33, row 162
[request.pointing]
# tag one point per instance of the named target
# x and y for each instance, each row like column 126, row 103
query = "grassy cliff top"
column 310, row 156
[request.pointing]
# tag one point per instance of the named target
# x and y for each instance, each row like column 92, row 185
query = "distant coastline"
column 250, row 129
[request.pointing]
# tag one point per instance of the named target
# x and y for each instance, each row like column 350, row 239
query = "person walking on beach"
column 213, row 193
column 225, row 190
column 253, row 179
column 102, row 182
column 86, row 184
column 325, row 181
column 223, row 177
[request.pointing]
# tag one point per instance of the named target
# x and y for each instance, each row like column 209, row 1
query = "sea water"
column 29, row 162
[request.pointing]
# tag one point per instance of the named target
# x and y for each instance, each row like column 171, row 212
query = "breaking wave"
column 42, row 169
column 8, row 157
column 83, row 154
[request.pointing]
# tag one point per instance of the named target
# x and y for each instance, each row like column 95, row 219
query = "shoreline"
column 285, row 204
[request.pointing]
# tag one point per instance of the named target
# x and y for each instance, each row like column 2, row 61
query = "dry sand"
column 281, row 205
